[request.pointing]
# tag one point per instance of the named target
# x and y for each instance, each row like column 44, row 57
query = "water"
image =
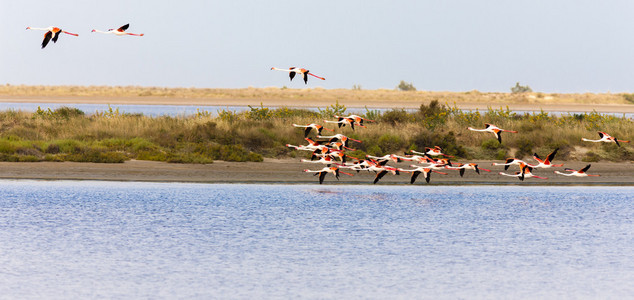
column 70, row 239
column 188, row 110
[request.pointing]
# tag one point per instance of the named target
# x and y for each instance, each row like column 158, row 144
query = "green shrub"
column 390, row 143
column 525, row 148
column 404, row 86
column 520, row 89
column 591, row 156
column 396, row 116
column 333, row 110
column 97, row 156
column 7, row 147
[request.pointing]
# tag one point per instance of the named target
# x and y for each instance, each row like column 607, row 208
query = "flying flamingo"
column 606, row 138
column 381, row 170
column 308, row 127
column 512, row 161
column 119, row 31
column 293, row 70
column 546, row 163
column 524, row 173
column 493, row 129
column 340, row 146
column 51, row 33
column 327, row 160
column 358, row 119
column 337, row 154
column 344, row 139
column 426, row 171
column 359, row 165
column 384, row 158
column 580, row 173
column 432, row 151
column 322, row 173
column 440, row 161
column 470, row 166
column 312, row 146
column 344, row 121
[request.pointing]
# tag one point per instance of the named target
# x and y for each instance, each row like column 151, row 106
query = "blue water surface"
column 85, row 239
column 155, row 110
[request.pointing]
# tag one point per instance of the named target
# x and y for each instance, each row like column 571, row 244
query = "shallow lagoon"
column 86, row 239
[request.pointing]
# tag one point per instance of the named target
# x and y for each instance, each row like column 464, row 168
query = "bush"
column 591, row 157
column 97, row 156
column 520, row 89
column 404, row 86
column 333, row 110
column 390, row 143
column 525, row 148
column 396, row 116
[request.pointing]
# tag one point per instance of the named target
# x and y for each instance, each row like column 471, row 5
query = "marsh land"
column 209, row 140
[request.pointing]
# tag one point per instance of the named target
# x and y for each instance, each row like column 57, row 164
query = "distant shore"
column 317, row 97
column 289, row 171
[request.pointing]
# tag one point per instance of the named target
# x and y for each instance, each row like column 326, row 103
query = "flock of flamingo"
column 330, row 150
column 52, row 33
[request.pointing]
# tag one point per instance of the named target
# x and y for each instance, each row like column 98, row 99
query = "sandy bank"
column 288, row 171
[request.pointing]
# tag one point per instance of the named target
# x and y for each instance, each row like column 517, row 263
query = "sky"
column 553, row 46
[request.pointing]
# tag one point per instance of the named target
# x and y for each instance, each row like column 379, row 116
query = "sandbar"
column 289, row 171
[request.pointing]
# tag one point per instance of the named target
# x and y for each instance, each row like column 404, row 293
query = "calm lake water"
column 187, row 110
column 70, row 239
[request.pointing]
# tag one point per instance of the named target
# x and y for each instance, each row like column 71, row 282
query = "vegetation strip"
column 68, row 134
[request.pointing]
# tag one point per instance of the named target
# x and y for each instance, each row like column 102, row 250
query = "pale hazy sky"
column 439, row 45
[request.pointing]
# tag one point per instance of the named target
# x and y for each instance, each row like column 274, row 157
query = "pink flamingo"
column 303, row 72
column 546, row 163
column 579, row 173
column 52, row 33
column 493, row 129
column 119, row 31
column 322, row 173
column 606, row 138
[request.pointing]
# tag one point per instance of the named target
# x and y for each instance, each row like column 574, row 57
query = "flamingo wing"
column 305, row 74
column 306, row 131
column 379, row 176
column 56, row 36
column 414, row 176
column 551, row 156
column 123, row 28
column 322, row 175
column 291, row 74
column 47, row 37
column 585, row 169
column 508, row 161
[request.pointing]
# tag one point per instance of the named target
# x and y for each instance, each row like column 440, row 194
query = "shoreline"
column 289, row 171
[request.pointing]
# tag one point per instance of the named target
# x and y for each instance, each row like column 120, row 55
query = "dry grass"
column 330, row 95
